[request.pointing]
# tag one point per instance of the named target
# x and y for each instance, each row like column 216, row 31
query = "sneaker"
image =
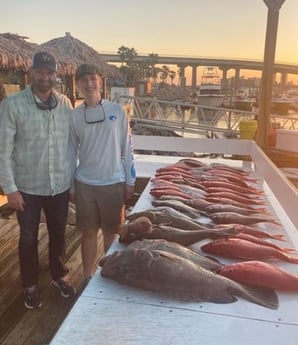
column 65, row 287
column 32, row 298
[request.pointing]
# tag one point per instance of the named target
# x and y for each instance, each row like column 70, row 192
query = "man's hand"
column 15, row 200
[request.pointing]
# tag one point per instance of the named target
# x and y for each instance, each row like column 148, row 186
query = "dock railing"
column 187, row 117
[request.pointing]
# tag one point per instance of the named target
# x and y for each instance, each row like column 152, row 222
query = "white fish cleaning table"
column 108, row 313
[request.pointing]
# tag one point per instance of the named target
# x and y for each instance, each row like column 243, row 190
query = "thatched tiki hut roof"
column 76, row 52
column 16, row 55
column 15, row 52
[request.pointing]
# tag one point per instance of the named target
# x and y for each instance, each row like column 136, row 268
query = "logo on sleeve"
column 112, row 117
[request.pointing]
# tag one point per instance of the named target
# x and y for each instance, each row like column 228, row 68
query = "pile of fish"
column 194, row 202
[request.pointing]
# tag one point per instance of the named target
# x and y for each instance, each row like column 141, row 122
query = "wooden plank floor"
column 282, row 158
column 19, row 326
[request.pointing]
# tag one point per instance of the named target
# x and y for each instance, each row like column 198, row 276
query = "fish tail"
column 278, row 237
column 266, row 297
column 292, row 259
column 276, row 222
column 264, row 211
column 288, row 250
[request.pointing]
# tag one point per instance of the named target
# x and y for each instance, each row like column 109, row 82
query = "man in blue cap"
column 35, row 171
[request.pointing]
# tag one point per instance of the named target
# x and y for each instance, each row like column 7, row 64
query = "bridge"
column 223, row 64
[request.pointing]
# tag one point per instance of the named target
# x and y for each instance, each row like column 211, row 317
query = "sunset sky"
column 209, row 28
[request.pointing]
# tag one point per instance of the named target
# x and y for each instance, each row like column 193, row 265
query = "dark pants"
column 55, row 209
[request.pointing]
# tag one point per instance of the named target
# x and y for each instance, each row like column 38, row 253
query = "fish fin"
column 103, row 260
column 166, row 254
column 292, row 259
column 224, row 299
column 266, row 297
column 166, row 224
column 213, row 259
column 278, row 237
column 288, row 250
column 218, row 300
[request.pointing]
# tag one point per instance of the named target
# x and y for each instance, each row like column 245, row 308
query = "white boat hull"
column 209, row 100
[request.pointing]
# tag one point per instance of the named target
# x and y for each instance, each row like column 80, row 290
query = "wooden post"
column 23, row 80
column 70, row 88
column 194, row 76
column 268, row 70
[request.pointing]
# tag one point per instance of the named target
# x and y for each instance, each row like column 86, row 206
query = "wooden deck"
column 19, row 326
column 282, row 158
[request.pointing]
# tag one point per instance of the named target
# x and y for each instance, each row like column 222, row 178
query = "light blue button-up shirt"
column 34, row 143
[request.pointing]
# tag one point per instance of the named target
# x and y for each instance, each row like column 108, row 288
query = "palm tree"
column 152, row 61
column 144, row 69
column 130, row 56
column 164, row 73
column 129, row 70
column 172, row 75
column 122, row 52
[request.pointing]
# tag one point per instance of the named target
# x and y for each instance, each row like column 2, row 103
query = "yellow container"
column 248, row 129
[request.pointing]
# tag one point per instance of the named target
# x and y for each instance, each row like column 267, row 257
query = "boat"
column 243, row 101
column 210, row 93
column 292, row 96
column 280, row 107
column 280, row 104
column 210, row 82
